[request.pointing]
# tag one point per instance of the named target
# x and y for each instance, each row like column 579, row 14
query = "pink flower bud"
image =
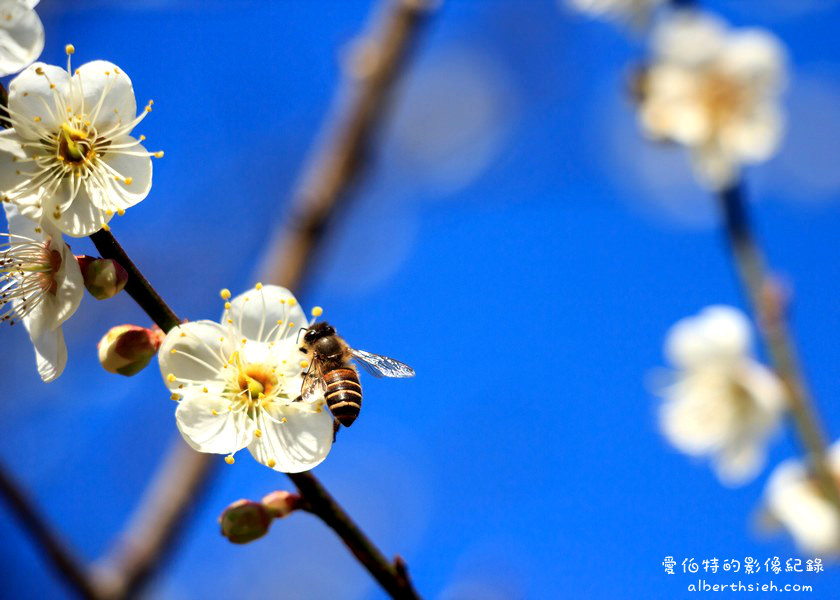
column 127, row 349
column 281, row 503
column 245, row 521
column 104, row 277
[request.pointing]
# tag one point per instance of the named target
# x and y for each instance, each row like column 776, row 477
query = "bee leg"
column 336, row 427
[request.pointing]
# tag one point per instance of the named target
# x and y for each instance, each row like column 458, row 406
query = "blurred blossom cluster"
column 722, row 403
column 636, row 10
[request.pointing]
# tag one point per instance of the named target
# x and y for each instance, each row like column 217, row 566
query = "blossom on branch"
column 638, row 11
column 721, row 403
column 795, row 499
column 22, row 38
column 41, row 286
column 68, row 158
column 238, row 383
column 715, row 91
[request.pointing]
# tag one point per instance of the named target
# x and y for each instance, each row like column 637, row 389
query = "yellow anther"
column 121, row 211
column 279, row 321
column 70, row 49
column 171, row 378
column 174, row 351
column 225, row 294
column 37, row 119
column 52, row 86
column 303, row 364
column 204, row 389
column 230, row 321
column 244, row 341
column 291, row 324
column 158, row 154
column 317, row 311
column 175, row 397
column 213, row 412
column 39, row 70
column 129, row 180
column 142, row 138
column 229, row 459
column 271, row 463
column 258, row 286
column 258, row 433
column 227, row 305
column 106, row 227
column 292, row 301
column 109, row 213
column 183, row 334
column 283, row 420
column 282, row 301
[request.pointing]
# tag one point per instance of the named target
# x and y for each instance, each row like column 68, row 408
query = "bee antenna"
column 298, row 335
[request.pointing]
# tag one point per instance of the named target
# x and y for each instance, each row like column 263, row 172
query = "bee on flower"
column 795, row 500
column 22, row 38
column 715, row 91
column 238, row 383
column 69, row 158
column 41, row 286
column 721, row 403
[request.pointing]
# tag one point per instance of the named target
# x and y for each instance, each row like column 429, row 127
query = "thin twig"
column 64, row 561
column 769, row 306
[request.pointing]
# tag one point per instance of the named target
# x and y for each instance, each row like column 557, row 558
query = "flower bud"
column 281, row 503
column 104, row 277
column 245, row 521
column 127, row 349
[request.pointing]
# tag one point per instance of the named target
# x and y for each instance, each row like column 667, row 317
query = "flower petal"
column 689, row 38
column 138, row 170
column 37, row 109
column 21, row 36
column 255, row 314
column 754, row 137
column 50, row 354
column 299, row 444
column 71, row 283
column 718, row 334
column 78, row 216
column 208, row 426
column 756, row 58
column 103, row 93
column 195, row 352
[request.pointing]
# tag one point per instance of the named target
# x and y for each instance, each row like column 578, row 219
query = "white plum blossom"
column 794, row 499
column 716, row 91
column 721, row 403
column 41, row 286
column 635, row 10
column 238, row 383
column 69, row 159
column 21, row 35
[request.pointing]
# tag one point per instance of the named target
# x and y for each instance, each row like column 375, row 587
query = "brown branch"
column 62, row 559
column 769, row 306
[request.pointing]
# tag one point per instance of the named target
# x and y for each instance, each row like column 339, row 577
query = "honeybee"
column 331, row 373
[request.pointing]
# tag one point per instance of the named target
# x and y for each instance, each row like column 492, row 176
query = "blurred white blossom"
column 795, row 500
column 41, row 286
column 238, row 383
column 722, row 403
column 68, row 158
column 21, row 35
column 634, row 10
column 714, row 90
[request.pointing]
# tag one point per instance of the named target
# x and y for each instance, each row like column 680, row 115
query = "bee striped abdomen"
column 344, row 395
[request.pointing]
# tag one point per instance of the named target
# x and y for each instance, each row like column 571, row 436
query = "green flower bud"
column 245, row 521
column 104, row 277
column 127, row 349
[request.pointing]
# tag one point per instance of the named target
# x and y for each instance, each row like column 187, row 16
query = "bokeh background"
column 515, row 241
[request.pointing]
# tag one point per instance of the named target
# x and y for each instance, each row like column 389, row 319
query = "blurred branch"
column 64, row 562
column 769, row 305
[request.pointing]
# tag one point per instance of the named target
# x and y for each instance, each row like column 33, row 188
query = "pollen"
column 158, row 154
column 292, row 301
column 279, row 321
column 227, row 305
column 271, row 463
column 121, row 211
column 303, row 364
column 225, row 294
column 258, row 433
column 174, row 351
column 37, row 119
column 170, row 378
column 283, row 420
column 213, row 412
column 229, row 459
column 70, row 49
column 129, row 180
column 258, row 286
column 175, row 397
column 317, row 311
column 204, row 389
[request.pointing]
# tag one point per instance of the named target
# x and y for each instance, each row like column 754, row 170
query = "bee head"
column 318, row 331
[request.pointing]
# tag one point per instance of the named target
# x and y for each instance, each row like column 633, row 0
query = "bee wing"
column 313, row 384
column 382, row 366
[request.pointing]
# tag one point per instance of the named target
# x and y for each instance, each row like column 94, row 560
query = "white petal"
column 689, row 38
column 201, row 350
column 31, row 98
column 718, row 334
column 697, row 418
column 756, row 136
column 104, row 93
column 71, row 283
column 23, row 226
column 714, row 167
column 14, row 179
column 755, row 58
column 10, row 142
column 82, row 217
column 256, row 312
column 299, row 444
column 740, row 463
column 138, row 168
column 21, row 36
column 30, row 3
column 224, row 432
column 50, row 354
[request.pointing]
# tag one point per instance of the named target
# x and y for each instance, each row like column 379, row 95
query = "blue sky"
column 515, row 241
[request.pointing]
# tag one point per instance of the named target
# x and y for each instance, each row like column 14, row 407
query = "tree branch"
column 769, row 306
